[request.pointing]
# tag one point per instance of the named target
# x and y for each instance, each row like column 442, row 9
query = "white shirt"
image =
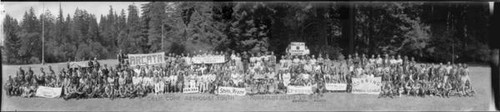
column 399, row 61
column 233, row 57
column 392, row 61
column 137, row 71
column 312, row 61
column 188, row 60
column 379, row 61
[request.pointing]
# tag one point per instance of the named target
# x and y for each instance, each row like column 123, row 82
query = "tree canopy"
column 433, row 32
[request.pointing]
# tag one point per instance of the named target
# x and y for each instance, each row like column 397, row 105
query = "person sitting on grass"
column 130, row 91
column 447, row 89
column 69, row 92
column 108, row 90
column 399, row 89
column 386, row 90
column 469, row 91
column 122, row 93
column 140, row 91
column 96, row 91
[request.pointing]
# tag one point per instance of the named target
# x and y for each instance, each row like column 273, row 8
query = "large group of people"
column 258, row 73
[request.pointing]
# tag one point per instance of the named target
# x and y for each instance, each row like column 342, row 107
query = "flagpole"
column 43, row 34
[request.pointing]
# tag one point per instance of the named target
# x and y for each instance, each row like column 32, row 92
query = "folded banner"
column 299, row 90
column 208, row 59
column 336, row 86
column 143, row 59
column 369, row 85
column 48, row 92
column 190, row 90
column 231, row 91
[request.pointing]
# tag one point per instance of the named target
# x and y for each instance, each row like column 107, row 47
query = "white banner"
column 48, row 92
column 336, row 86
column 299, row 90
column 78, row 64
column 143, row 59
column 370, row 85
column 231, row 91
column 208, row 59
column 190, row 90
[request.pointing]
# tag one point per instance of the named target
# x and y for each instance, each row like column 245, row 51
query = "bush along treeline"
column 433, row 32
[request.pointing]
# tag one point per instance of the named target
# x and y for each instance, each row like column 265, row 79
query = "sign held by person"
column 297, row 48
column 369, row 85
column 190, row 90
column 231, row 91
column 208, row 59
column 299, row 90
column 336, row 86
column 149, row 59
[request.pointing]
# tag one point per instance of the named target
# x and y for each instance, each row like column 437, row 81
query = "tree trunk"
column 348, row 25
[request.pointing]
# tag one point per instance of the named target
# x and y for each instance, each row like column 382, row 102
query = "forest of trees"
column 431, row 32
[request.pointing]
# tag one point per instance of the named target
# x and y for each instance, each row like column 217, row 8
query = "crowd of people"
column 258, row 73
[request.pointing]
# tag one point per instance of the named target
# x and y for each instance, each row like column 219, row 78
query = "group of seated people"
column 258, row 73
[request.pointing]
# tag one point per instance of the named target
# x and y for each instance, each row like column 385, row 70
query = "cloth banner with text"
column 299, row 90
column 48, row 92
column 231, row 91
column 369, row 85
column 190, row 90
column 208, row 59
column 149, row 59
column 336, row 86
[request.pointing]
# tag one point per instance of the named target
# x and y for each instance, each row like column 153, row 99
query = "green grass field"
column 481, row 81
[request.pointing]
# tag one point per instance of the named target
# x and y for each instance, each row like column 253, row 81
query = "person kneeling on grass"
column 140, row 91
column 73, row 92
column 320, row 87
column 469, row 91
column 27, row 91
column 8, row 87
column 131, row 91
column 96, row 91
column 398, row 89
column 386, row 90
column 122, row 91
column 108, row 90
column 447, row 89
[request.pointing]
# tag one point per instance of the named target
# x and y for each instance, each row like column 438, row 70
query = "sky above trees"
column 16, row 9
